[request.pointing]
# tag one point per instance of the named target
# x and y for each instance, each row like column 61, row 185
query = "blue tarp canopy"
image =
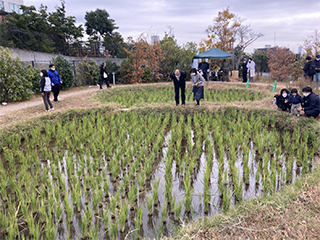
column 214, row 53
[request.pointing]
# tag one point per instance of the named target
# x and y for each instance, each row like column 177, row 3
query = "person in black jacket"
column 309, row 69
column 104, row 75
column 316, row 64
column 311, row 105
column 179, row 81
column 244, row 70
column 45, row 89
column 282, row 100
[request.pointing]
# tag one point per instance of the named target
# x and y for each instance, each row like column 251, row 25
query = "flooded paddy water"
column 128, row 175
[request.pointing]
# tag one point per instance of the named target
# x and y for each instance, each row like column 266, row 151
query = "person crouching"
column 198, row 85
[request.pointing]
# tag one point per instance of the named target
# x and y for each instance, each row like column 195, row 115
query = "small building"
column 11, row 6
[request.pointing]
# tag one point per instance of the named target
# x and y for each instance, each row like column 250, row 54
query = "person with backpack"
column 309, row 69
column 45, row 89
column 55, row 81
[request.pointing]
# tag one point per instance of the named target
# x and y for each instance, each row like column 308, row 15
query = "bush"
column 15, row 78
column 87, row 73
column 35, row 78
column 112, row 67
column 125, row 70
column 65, row 70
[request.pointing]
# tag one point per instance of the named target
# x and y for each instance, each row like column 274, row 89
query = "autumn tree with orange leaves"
column 144, row 58
column 280, row 62
column 229, row 34
column 222, row 33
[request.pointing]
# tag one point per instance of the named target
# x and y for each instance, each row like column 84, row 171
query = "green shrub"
column 87, row 73
column 65, row 70
column 35, row 78
column 15, row 78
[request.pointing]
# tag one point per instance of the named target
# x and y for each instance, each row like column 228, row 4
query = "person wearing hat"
column 316, row 76
column 308, row 69
column 244, row 70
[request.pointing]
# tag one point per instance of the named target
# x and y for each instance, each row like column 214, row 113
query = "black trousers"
column 104, row 80
column 55, row 90
column 177, row 91
column 244, row 76
column 46, row 100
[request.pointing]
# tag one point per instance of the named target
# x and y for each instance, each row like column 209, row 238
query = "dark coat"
column 317, row 65
column 281, row 100
column 103, row 70
column 182, row 79
column 309, row 68
column 244, row 68
column 312, row 105
column 295, row 100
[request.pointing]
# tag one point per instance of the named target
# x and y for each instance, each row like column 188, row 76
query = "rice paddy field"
column 164, row 94
column 141, row 173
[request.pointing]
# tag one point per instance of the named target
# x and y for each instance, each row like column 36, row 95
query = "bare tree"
column 246, row 37
column 311, row 44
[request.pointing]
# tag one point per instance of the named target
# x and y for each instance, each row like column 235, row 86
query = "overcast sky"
column 284, row 23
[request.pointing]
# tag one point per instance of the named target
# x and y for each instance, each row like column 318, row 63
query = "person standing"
column 311, row 103
column 316, row 75
column 309, row 69
column 251, row 68
column 55, row 82
column 204, row 66
column 244, row 70
column 225, row 71
column 179, row 81
column 45, row 89
column 104, row 75
column 198, row 85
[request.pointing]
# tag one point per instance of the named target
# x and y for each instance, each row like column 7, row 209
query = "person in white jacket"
column 198, row 85
column 251, row 66
column 45, row 89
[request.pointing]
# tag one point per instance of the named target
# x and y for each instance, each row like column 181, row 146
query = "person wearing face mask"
column 179, row 81
column 244, row 70
column 55, row 81
column 282, row 100
column 311, row 105
column 198, row 85
column 251, row 66
column 316, row 75
column 45, row 89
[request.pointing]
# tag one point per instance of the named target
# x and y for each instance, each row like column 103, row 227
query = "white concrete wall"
column 43, row 59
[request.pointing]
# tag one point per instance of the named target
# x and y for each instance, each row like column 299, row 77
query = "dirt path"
column 79, row 98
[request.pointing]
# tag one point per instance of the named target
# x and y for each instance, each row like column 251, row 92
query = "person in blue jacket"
column 295, row 100
column 55, row 81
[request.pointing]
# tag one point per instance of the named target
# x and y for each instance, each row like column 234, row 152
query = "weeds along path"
column 79, row 98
